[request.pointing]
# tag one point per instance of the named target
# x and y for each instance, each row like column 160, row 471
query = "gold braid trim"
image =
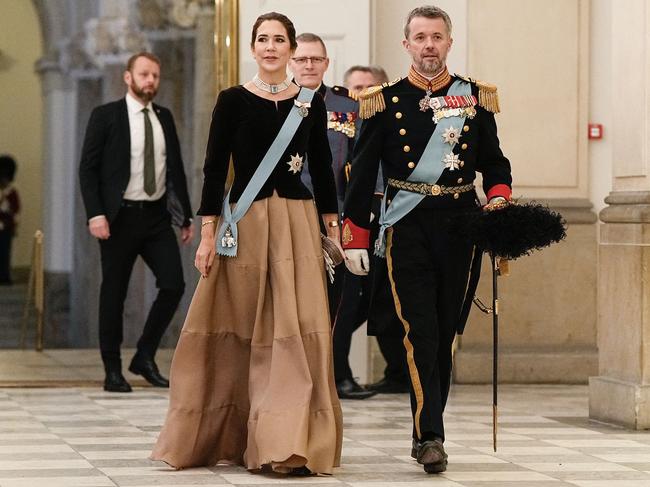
column 371, row 100
column 487, row 94
column 488, row 97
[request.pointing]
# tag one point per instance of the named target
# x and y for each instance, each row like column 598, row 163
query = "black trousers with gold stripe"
column 428, row 269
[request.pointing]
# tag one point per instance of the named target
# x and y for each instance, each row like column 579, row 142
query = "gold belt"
column 429, row 189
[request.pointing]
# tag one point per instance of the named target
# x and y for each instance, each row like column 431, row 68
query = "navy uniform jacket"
column 396, row 132
column 342, row 128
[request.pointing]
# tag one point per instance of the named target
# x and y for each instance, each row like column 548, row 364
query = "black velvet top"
column 244, row 126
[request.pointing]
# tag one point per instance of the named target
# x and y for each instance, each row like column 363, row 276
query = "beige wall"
column 630, row 127
column 537, row 54
column 21, row 113
column 600, row 100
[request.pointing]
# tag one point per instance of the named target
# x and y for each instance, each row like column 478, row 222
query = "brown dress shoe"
column 431, row 454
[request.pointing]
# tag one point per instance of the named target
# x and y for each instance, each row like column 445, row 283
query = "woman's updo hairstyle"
column 284, row 20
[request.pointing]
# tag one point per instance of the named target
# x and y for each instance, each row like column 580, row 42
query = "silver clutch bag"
column 331, row 255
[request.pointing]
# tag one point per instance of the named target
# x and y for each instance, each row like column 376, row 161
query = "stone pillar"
column 204, row 97
column 621, row 392
column 59, row 164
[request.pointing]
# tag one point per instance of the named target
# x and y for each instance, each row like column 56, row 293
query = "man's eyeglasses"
column 313, row 59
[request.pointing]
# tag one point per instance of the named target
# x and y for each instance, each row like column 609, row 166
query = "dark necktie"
column 149, row 164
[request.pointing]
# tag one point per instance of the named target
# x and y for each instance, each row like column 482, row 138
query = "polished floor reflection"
column 61, row 367
column 82, row 436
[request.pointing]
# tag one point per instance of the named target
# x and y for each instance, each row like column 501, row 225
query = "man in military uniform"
column 357, row 78
column 432, row 132
column 382, row 319
column 309, row 64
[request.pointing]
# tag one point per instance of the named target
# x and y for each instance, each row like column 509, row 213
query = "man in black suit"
column 133, row 187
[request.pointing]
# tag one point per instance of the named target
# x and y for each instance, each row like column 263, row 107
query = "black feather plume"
column 513, row 231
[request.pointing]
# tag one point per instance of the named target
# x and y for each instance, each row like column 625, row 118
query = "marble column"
column 204, row 97
column 621, row 392
column 59, row 177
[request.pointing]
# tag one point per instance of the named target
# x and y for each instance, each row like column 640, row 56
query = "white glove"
column 357, row 261
column 497, row 199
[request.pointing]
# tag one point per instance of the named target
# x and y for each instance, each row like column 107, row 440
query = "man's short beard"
column 143, row 95
column 430, row 68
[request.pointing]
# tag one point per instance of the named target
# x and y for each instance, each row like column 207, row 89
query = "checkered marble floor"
column 74, row 437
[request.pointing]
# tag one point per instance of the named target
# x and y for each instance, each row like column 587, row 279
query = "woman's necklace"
column 273, row 89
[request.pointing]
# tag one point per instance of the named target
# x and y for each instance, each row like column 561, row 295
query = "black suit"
column 137, row 228
column 105, row 163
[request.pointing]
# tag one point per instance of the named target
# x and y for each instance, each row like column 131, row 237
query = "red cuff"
column 354, row 237
column 499, row 190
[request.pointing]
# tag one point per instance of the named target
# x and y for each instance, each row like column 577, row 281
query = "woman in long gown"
column 251, row 379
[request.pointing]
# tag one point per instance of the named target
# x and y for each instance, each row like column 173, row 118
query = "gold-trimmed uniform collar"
column 441, row 80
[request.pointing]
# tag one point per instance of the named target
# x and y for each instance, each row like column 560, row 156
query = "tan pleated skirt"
column 252, row 378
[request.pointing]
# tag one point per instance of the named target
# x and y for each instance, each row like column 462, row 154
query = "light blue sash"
column 428, row 170
column 227, row 234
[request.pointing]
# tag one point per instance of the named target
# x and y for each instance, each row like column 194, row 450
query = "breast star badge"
column 295, row 164
column 451, row 161
column 451, row 135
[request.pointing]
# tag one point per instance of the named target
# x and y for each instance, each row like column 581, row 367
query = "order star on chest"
column 451, row 135
column 296, row 163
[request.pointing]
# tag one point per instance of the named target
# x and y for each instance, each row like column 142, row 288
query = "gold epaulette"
column 488, row 97
column 371, row 100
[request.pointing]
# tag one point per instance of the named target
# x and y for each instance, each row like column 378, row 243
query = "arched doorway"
column 21, row 110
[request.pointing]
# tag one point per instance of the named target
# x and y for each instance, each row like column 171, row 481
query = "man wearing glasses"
column 309, row 64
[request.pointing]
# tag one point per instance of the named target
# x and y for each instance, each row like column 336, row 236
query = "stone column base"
column 619, row 402
column 57, row 327
column 474, row 366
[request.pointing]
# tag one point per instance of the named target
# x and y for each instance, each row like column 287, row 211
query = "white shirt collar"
column 134, row 106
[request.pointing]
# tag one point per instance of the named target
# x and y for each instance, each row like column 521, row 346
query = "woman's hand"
column 205, row 255
column 206, row 251
column 333, row 229
column 337, row 242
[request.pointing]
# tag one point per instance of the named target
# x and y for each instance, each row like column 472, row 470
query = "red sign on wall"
column 595, row 131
